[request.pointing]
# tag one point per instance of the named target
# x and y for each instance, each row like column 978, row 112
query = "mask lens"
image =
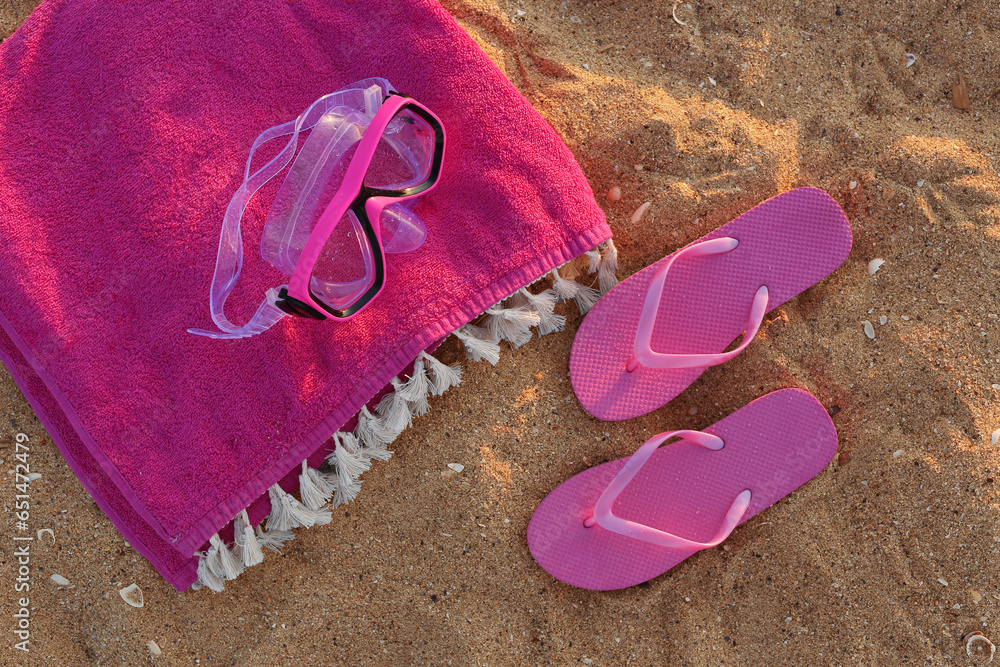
column 343, row 269
column 404, row 153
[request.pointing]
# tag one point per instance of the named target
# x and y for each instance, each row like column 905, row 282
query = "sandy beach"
column 704, row 109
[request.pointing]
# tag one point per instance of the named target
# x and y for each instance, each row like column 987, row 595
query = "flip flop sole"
column 789, row 243
column 772, row 446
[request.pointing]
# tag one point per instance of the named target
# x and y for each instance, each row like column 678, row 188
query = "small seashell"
column 875, row 265
column 132, row 594
column 673, row 12
column 32, row 476
column 711, row 81
column 521, row 12
column 995, row 438
column 942, row 581
column 614, row 194
column 154, row 648
column 637, row 216
column 853, row 184
column 42, row 531
column 920, row 183
column 896, row 454
column 977, row 636
column 905, row 318
column 882, row 320
column 59, row 580
column 910, row 59
column 457, row 467
column 869, row 329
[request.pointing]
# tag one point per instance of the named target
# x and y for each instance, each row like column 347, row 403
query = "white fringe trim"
column 511, row 319
column 314, row 489
column 273, row 539
column 287, row 512
column 544, row 305
column 347, row 459
column 442, row 377
column 221, row 561
column 479, row 343
column 416, row 389
column 247, row 545
column 395, row 410
column 205, row 575
column 606, row 277
column 371, row 431
column 512, row 323
column 585, row 297
column 346, row 494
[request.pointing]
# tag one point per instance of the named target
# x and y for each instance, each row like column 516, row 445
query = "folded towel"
column 124, row 128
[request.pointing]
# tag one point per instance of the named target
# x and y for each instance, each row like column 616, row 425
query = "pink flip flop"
column 651, row 336
column 626, row 521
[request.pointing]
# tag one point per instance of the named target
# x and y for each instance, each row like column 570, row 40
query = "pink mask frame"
column 367, row 204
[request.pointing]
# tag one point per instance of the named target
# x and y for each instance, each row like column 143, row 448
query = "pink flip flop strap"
column 643, row 354
column 604, row 517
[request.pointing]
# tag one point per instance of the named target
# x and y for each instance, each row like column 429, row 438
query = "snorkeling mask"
column 369, row 153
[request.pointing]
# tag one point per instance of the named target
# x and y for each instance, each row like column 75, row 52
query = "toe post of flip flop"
column 653, row 334
column 627, row 521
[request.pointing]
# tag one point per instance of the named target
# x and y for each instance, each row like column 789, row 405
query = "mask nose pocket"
column 402, row 229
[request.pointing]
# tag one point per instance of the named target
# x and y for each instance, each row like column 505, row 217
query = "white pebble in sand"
column 869, row 329
column 59, row 580
column 995, row 438
column 457, row 467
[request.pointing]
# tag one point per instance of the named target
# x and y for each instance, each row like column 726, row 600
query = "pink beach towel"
column 124, row 128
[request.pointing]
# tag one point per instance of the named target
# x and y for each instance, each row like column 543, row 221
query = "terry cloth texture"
column 124, row 129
